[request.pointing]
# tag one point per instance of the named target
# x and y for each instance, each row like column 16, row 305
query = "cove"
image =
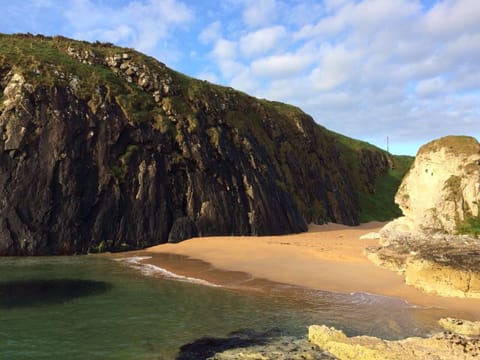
column 89, row 307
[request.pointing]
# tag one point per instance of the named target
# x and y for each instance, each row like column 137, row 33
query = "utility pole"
column 388, row 149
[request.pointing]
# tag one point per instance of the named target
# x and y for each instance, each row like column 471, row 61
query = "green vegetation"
column 456, row 144
column 283, row 133
column 470, row 226
column 380, row 205
column 44, row 61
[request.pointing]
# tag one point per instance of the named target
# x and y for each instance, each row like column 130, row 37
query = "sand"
column 327, row 257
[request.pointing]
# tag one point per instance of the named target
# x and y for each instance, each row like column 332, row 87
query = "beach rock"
column 461, row 326
column 438, row 346
column 105, row 149
column 445, row 265
column 439, row 198
column 280, row 349
column 441, row 190
column 251, row 344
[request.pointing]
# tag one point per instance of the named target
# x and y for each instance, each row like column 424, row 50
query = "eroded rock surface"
column 441, row 346
column 106, row 149
column 460, row 326
column 441, row 190
column 439, row 196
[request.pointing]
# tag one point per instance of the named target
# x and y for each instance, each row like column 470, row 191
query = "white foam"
column 136, row 262
column 362, row 297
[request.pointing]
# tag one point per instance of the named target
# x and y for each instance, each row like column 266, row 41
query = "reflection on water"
column 36, row 292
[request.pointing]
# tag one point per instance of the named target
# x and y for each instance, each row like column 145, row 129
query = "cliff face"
column 439, row 198
column 442, row 188
column 104, row 148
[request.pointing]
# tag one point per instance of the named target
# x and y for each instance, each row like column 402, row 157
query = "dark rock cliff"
column 103, row 148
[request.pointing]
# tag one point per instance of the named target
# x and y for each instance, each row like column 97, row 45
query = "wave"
column 147, row 269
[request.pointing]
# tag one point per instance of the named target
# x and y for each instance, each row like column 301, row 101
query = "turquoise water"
column 89, row 307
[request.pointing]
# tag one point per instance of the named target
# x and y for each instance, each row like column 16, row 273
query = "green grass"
column 470, row 226
column 380, row 205
column 457, row 144
column 43, row 61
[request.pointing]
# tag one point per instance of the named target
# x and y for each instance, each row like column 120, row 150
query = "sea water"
column 93, row 307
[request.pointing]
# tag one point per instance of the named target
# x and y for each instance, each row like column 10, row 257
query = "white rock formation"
column 441, row 189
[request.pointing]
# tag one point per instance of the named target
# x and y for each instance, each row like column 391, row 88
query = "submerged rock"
column 280, row 349
column 250, row 344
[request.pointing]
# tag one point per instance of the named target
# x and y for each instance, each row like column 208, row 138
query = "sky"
column 406, row 70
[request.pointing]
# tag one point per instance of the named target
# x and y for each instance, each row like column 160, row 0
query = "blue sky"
column 406, row 69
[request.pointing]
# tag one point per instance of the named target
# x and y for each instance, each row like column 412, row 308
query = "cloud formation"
column 407, row 69
column 370, row 69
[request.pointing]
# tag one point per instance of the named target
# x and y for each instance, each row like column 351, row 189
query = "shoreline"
column 326, row 258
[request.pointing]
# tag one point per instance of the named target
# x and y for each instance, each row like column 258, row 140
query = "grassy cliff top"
column 466, row 145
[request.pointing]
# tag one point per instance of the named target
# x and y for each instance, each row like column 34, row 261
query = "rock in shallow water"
column 280, row 349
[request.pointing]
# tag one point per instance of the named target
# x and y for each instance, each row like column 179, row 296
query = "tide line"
column 146, row 269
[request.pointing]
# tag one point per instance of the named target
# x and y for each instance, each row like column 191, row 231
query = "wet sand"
column 327, row 257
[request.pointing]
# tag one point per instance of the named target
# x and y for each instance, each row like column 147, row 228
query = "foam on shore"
column 136, row 262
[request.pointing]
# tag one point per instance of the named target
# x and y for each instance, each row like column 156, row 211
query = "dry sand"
column 327, row 257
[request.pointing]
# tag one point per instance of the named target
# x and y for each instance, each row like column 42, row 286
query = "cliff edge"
column 441, row 191
column 105, row 149
column 436, row 244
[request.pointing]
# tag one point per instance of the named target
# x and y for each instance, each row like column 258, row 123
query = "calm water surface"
column 88, row 307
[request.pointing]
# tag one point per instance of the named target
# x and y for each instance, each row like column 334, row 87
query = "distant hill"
column 104, row 148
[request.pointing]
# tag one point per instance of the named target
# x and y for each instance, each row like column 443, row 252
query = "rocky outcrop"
column 438, row 346
column 105, row 149
column 446, row 265
column 439, row 197
column 279, row 349
column 441, row 189
column 329, row 343
column 460, row 326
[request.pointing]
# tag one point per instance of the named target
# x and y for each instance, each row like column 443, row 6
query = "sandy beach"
column 327, row 257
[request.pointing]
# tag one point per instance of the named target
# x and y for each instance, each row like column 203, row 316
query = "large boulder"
column 439, row 198
column 441, row 189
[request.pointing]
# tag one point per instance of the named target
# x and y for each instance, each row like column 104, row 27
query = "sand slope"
column 327, row 257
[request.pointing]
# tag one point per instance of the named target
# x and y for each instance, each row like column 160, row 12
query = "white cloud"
column 140, row 24
column 280, row 66
column 337, row 66
column 211, row 33
column 259, row 12
column 224, row 49
column 449, row 18
column 262, row 40
column 430, row 87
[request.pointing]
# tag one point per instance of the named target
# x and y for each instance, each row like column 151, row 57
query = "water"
column 89, row 307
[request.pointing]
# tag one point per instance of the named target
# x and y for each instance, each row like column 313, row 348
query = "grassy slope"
column 380, row 205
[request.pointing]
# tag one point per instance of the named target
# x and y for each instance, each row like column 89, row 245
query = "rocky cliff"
column 435, row 245
column 441, row 191
column 103, row 148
